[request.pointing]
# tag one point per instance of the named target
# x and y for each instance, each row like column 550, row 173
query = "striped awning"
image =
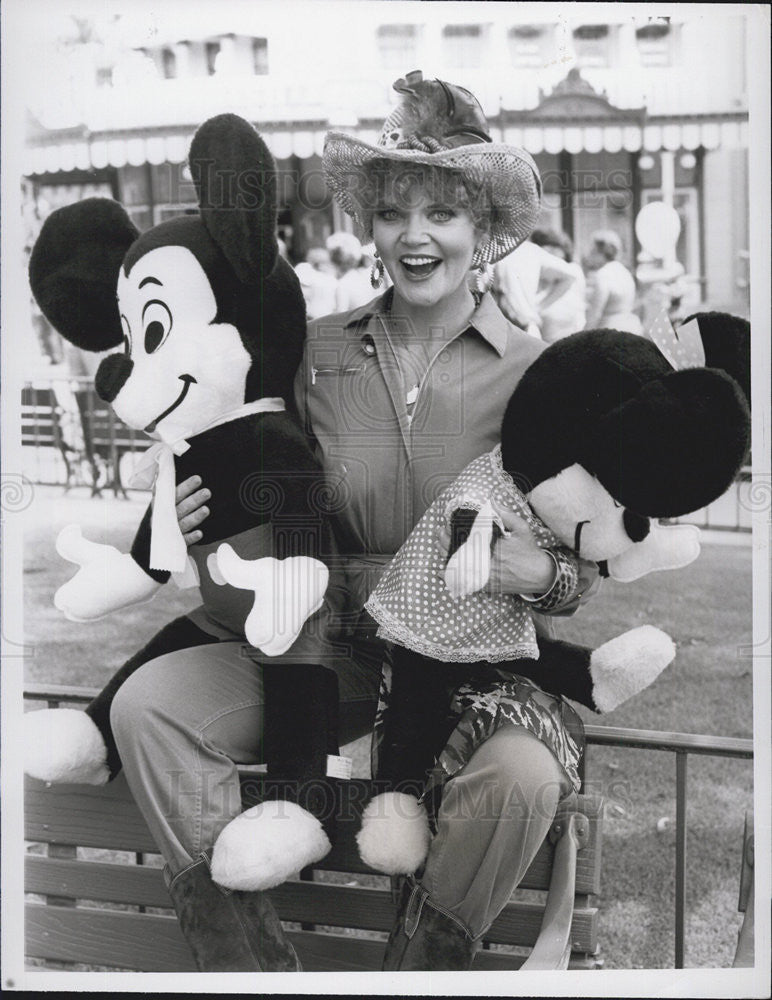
column 650, row 137
column 103, row 150
column 100, row 150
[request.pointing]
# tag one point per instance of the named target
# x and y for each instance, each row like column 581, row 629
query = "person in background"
column 566, row 314
column 611, row 287
column 529, row 281
column 352, row 267
column 661, row 286
column 318, row 282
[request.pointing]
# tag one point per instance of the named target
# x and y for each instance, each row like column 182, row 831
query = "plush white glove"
column 287, row 592
column 107, row 580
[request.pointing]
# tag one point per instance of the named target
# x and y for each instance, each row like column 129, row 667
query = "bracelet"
column 563, row 587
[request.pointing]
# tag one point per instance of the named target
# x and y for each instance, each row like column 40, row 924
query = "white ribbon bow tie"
column 155, row 469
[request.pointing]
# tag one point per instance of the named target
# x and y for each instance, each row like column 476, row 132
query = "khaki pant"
column 184, row 721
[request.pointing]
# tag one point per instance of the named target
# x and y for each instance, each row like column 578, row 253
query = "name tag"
column 339, row 767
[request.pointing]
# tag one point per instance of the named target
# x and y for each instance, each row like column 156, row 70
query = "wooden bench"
column 113, row 911
column 41, row 427
column 103, row 438
column 107, row 438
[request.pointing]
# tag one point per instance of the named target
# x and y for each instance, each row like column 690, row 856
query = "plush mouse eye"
column 157, row 321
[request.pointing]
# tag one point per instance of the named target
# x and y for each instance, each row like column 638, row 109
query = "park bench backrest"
column 140, row 932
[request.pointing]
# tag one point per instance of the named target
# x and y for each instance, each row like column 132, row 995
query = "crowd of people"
column 541, row 288
column 336, row 277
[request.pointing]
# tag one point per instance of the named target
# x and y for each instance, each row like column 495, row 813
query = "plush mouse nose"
column 636, row 525
column 111, row 376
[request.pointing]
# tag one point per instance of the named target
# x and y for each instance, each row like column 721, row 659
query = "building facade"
column 617, row 111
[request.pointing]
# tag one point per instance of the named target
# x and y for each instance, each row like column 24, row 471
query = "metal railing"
column 680, row 744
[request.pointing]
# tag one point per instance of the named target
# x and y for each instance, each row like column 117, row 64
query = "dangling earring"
column 483, row 278
column 376, row 272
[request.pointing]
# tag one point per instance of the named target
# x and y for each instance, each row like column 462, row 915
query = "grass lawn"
column 705, row 607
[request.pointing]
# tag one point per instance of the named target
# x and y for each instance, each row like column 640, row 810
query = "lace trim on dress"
column 393, row 630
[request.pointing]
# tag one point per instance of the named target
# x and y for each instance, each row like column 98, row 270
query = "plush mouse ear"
column 235, row 177
column 727, row 343
column 673, row 447
column 74, row 267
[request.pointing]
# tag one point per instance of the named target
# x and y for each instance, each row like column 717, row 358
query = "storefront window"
column 656, row 43
column 260, row 56
column 212, row 51
column 592, row 43
column 397, row 45
column 530, row 45
column 462, row 45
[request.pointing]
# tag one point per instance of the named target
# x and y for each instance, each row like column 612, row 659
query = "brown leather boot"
column 228, row 931
column 426, row 937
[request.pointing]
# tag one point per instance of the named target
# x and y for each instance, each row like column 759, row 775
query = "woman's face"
column 426, row 243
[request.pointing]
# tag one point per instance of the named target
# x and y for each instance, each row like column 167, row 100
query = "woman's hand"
column 190, row 499
column 518, row 565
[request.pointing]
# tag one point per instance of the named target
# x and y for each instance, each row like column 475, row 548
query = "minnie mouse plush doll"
column 211, row 321
column 622, row 431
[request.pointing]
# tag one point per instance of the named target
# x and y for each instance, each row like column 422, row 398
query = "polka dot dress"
column 415, row 609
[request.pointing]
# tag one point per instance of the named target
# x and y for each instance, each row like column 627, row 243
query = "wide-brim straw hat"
column 442, row 125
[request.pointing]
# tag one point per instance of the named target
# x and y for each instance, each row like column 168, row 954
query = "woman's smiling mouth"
column 419, row 266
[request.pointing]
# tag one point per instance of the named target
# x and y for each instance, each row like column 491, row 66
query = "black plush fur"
column 663, row 443
column 73, row 269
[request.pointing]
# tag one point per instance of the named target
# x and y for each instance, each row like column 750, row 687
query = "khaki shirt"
column 384, row 468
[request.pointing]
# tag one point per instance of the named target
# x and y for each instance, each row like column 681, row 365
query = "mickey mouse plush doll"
column 212, row 323
column 605, row 433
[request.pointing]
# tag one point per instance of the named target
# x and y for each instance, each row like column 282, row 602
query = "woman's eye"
column 388, row 214
column 157, row 321
column 442, row 214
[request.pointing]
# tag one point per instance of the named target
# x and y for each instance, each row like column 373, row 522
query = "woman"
column 399, row 396
column 611, row 291
column 565, row 314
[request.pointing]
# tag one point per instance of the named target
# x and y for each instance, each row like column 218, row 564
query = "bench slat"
column 335, row 953
column 95, row 880
column 107, row 817
column 93, row 937
column 86, row 816
column 306, row 902
column 97, row 937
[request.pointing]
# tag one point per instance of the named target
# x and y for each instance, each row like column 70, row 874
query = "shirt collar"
column 487, row 319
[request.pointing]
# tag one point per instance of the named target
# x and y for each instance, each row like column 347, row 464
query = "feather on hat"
column 441, row 124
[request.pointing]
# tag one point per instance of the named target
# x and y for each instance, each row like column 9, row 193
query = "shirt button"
column 368, row 347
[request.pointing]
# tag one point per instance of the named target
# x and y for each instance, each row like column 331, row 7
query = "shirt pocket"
column 325, row 371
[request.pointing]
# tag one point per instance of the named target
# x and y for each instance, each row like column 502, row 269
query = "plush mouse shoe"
column 210, row 322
